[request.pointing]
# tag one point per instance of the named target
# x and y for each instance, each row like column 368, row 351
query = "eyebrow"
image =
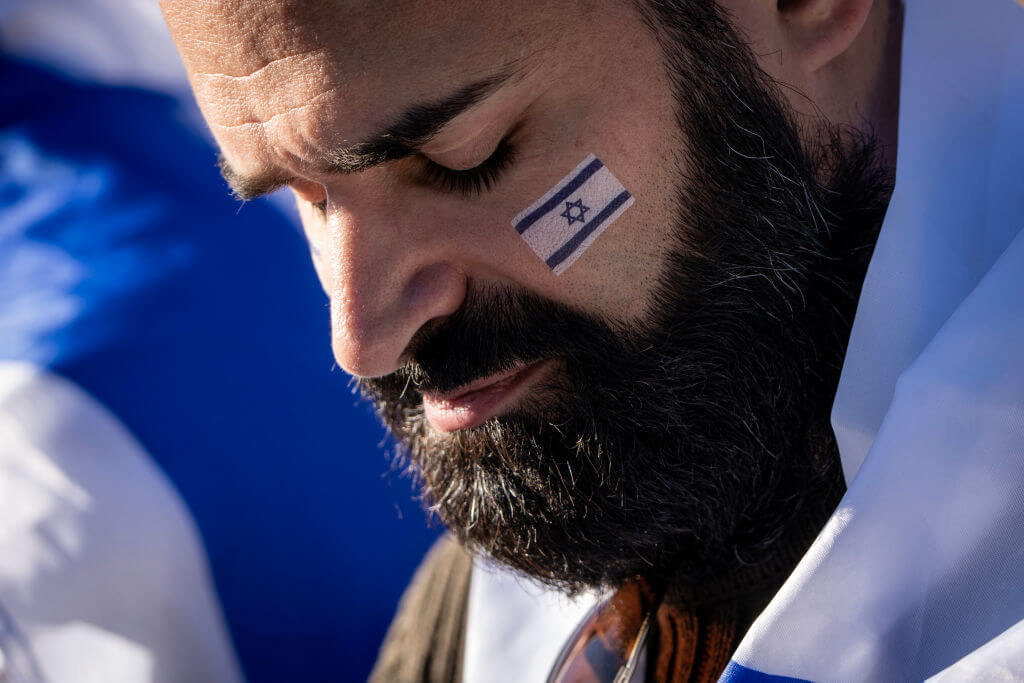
column 409, row 131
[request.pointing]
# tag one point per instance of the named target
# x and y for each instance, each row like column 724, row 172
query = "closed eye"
column 471, row 181
column 468, row 182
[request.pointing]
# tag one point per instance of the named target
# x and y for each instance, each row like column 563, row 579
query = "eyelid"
column 310, row 192
column 307, row 190
column 471, row 181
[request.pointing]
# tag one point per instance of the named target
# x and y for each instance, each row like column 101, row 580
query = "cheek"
column 613, row 267
column 600, row 248
column 634, row 133
column 619, row 273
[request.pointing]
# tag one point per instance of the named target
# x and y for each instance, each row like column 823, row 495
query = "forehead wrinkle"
column 275, row 62
column 314, row 134
column 237, row 37
column 273, row 119
column 273, row 88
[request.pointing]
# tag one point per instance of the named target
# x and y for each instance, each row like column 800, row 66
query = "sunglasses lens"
column 609, row 640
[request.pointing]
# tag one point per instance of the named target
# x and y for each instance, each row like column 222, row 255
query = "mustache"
column 496, row 329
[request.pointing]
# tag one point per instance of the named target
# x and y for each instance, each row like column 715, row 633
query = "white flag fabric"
column 516, row 626
column 918, row 573
column 117, row 42
column 568, row 218
column 103, row 575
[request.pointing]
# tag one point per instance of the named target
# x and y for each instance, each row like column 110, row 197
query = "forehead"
column 337, row 69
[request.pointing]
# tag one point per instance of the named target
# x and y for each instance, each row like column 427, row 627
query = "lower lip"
column 473, row 408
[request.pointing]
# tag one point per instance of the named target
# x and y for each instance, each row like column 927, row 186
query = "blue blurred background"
column 126, row 268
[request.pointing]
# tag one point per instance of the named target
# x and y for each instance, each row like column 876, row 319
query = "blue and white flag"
column 564, row 222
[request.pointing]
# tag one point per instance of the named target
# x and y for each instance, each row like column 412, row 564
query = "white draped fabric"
column 516, row 627
column 102, row 577
column 921, row 564
column 116, row 42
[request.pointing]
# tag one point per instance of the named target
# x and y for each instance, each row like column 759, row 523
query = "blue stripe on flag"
column 560, row 196
column 569, row 247
column 737, row 673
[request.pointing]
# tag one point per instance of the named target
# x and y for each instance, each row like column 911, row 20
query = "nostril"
column 434, row 293
column 371, row 332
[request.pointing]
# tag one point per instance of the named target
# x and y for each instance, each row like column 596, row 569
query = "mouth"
column 478, row 401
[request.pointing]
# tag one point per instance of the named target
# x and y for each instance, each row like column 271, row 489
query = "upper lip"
column 477, row 385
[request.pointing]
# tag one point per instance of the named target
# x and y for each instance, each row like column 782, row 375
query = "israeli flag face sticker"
column 564, row 222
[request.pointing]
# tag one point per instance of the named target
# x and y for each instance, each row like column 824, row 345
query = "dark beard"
column 693, row 444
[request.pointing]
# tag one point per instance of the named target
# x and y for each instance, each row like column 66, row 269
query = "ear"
column 817, row 32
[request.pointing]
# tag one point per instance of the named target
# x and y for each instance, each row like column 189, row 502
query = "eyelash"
column 471, row 181
column 468, row 182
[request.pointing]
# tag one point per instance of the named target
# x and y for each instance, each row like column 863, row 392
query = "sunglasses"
column 610, row 645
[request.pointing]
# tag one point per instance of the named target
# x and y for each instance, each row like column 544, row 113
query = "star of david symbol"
column 574, row 211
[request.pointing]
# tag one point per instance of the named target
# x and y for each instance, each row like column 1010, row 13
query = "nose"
column 390, row 272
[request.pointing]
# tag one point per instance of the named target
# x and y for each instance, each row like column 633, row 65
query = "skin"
column 282, row 84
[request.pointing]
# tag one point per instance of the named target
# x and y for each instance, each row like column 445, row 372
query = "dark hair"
column 700, row 441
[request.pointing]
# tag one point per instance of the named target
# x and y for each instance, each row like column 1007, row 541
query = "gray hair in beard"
column 691, row 445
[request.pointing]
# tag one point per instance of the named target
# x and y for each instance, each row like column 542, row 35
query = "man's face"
column 286, row 87
column 661, row 407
